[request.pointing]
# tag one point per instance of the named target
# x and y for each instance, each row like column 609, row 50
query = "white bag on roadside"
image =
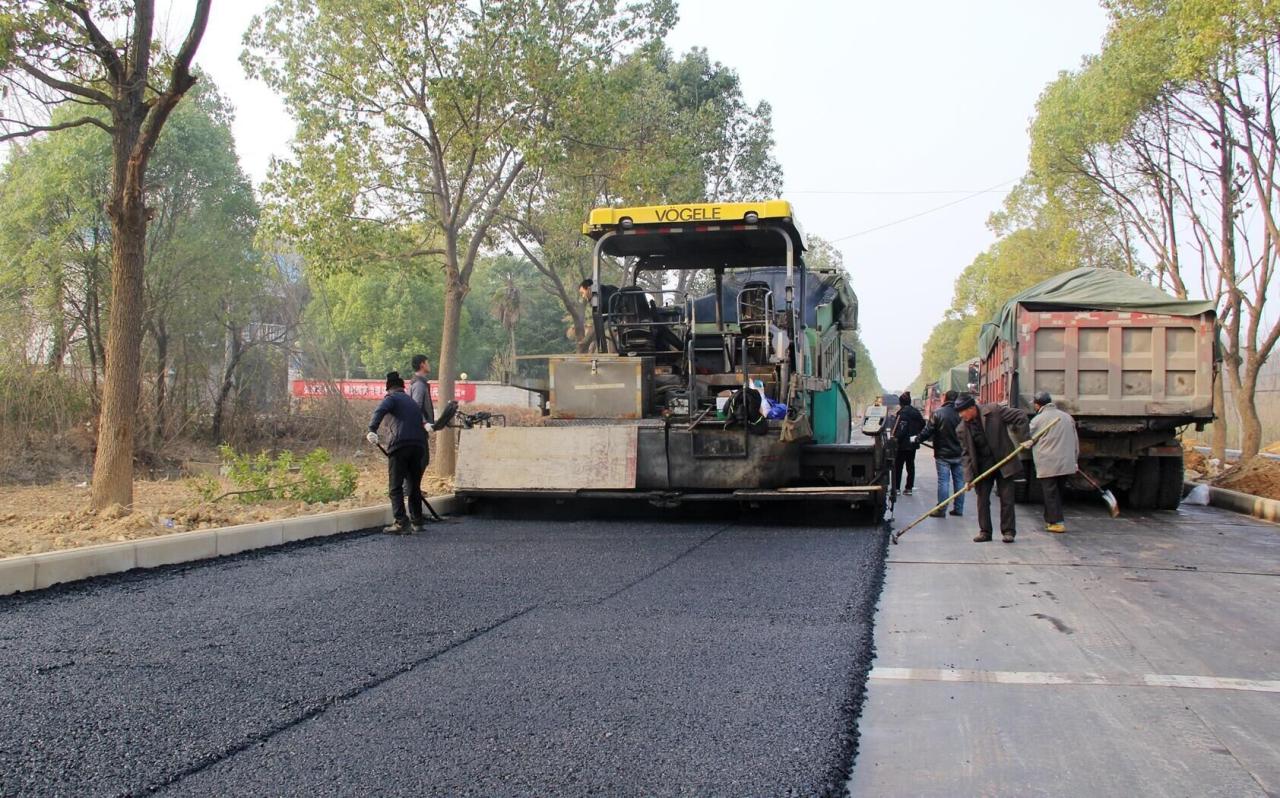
column 1199, row 495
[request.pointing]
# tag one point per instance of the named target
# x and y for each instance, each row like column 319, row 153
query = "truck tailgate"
column 1117, row 363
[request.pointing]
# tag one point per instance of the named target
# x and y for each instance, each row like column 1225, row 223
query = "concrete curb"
column 1243, row 503
column 37, row 571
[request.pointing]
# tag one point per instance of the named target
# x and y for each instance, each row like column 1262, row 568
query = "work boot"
column 983, row 537
column 1057, row 528
column 1007, row 537
column 936, row 514
column 954, row 511
column 396, row 528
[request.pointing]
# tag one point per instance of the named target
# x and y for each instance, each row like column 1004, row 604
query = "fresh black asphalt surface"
column 487, row 657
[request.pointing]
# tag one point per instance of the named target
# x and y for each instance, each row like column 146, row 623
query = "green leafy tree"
column 865, row 386
column 203, row 280
column 1173, row 126
column 200, row 274
column 369, row 322
column 650, row 129
column 55, row 54
column 424, row 114
column 1038, row 238
column 56, row 236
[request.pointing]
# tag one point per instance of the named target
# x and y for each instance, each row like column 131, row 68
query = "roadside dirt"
column 1259, row 476
column 1196, row 465
column 37, row 518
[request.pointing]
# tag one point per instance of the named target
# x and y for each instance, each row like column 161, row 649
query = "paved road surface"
column 490, row 657
column 1138, row 656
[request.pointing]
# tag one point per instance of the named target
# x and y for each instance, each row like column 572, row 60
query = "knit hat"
column 965, row 402
column 394, row 380
column 904, row 398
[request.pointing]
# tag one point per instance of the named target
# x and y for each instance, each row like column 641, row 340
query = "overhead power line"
column 893, row 192
column 965, row 198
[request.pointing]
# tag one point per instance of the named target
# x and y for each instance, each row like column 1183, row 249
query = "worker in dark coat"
column 420, row 391
column 948, row 454
column 988, row 434
column 406, row 453
column 906, row 426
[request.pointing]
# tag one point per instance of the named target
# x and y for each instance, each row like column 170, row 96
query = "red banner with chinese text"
column 370, row 390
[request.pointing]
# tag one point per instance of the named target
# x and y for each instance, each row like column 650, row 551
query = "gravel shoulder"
column 40, row 518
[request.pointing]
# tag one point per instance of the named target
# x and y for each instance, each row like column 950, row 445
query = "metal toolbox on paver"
column 600, row 386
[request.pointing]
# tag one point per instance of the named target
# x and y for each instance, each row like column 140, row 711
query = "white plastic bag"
column 1199, row 495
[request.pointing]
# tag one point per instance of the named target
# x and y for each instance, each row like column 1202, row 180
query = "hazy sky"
column 882, row 111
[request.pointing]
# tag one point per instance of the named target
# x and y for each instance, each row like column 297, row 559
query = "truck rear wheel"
column 1144, row 492
column 1169, row 494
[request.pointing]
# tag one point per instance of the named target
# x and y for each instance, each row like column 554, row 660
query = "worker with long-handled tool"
column 977, row 481
column 1056, row 455
column 989, row 433
column 406, row 452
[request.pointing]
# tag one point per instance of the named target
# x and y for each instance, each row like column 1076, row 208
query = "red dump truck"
column 960, row 378
column 1133, row 365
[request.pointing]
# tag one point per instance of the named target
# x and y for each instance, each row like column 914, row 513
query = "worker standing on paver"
column 948, row 454
column 988, row 436
column 906, row 426
column 1056, row 456
column 406, row 453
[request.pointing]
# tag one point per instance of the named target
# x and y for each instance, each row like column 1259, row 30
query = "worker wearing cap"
column 1056, row 456
column 406, row 453
column 988, row 433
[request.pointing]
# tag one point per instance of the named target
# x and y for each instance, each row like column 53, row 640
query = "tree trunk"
column 1247, row 407
column 162, row 382
column 1226, row 261
column 113, row 467
column 58, row 318
column 1218, row 444
column 454, row 294
column 231, row 359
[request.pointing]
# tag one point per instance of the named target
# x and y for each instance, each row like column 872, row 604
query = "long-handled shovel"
column 993, row 469
column 1107, row 496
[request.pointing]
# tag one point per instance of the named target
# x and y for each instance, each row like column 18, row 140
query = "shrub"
column 312, row 479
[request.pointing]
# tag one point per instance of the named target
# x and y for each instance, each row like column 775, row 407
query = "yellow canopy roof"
column 603, row 219
column 700, row 235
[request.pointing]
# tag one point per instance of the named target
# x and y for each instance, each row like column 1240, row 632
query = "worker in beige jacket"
column 1056, row 456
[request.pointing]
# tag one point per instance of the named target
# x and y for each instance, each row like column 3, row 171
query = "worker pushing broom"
column 987, row 433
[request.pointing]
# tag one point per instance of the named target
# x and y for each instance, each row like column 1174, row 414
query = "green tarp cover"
column 1087, row 289
column 955, row 379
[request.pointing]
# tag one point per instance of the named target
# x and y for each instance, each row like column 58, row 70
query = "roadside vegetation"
column 1158, row 156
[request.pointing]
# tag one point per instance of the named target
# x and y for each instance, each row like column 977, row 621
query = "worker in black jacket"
column 407, row 431
column 906, row 426
column 948, row 455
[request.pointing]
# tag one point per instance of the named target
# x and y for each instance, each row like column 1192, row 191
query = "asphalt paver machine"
column 737, row 394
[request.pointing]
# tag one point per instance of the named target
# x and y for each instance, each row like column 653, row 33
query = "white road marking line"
column 1042, row 677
